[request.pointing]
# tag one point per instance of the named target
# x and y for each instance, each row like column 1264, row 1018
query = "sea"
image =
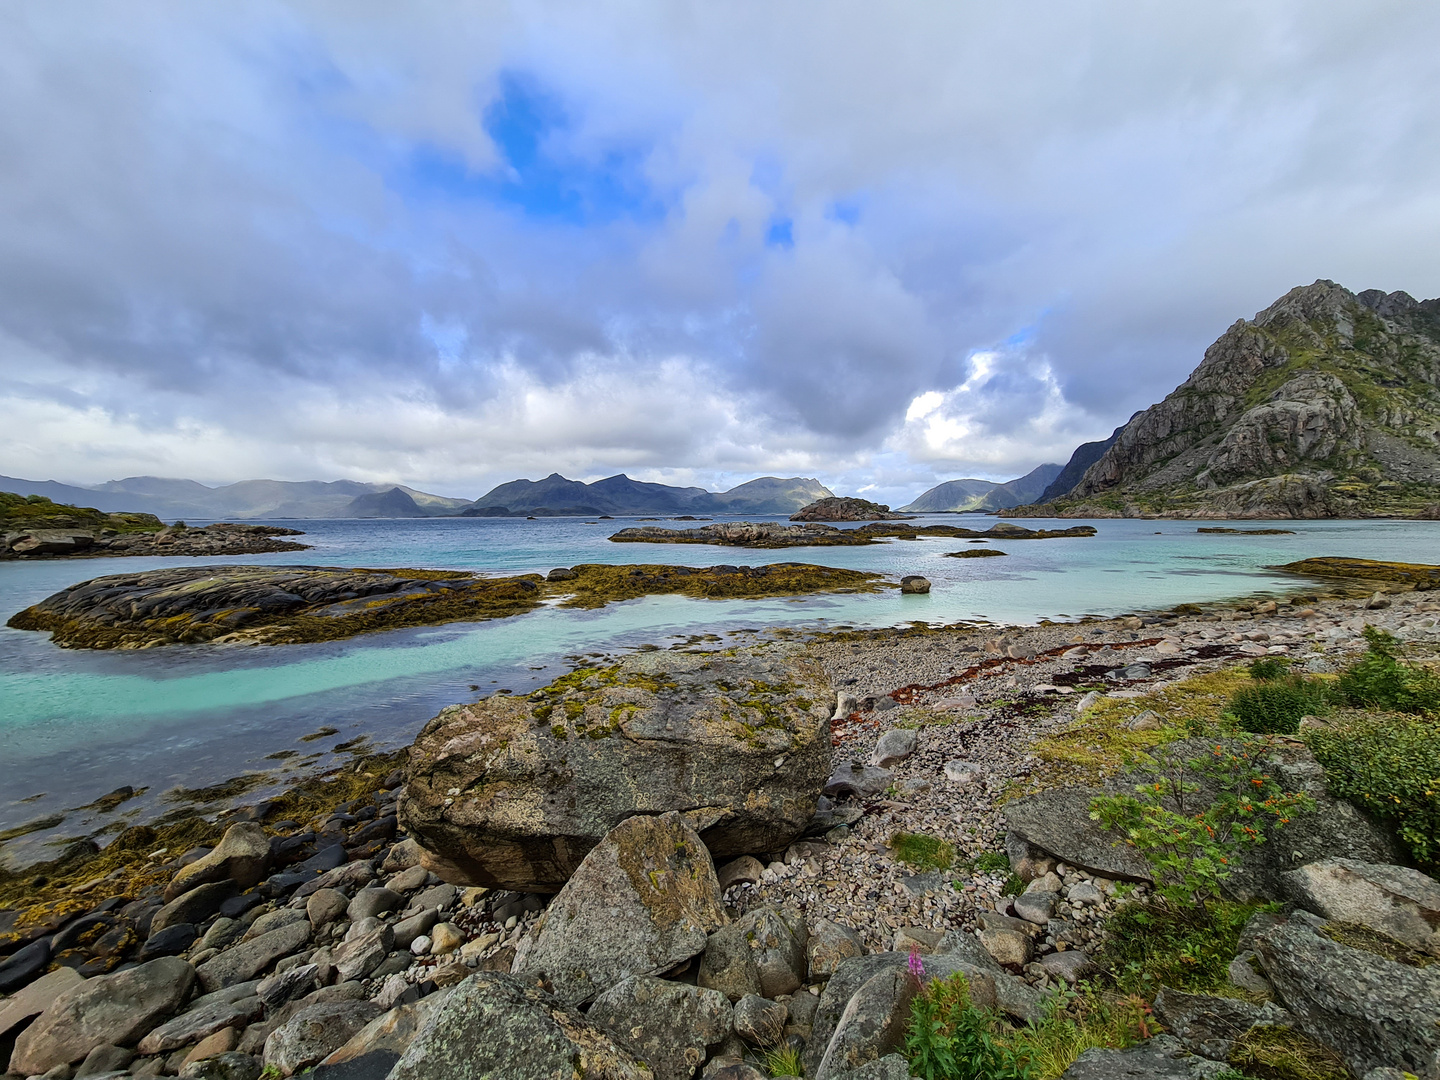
column 76, row 723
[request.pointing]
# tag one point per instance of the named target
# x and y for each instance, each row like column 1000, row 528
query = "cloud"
column 450, row 244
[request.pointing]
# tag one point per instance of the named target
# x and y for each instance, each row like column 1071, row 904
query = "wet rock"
column 24, row 966
column 728, row 964
column 640, row 903
column 242, row 856
column 914, row 583
column 242, row 962
column 496, row 1027
column 198, row 1023
column 743, row 741
column 1395, row 900
column 895, row 746
column 667, row 1025
column 758, row 1021
column 830, row 945
column 107, row 1010
column 193, row 906
column 314, row 1032
column 172, row 941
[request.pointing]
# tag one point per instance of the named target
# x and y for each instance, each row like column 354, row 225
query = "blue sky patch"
column 781, row 233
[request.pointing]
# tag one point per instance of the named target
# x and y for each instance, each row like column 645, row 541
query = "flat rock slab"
column 1161, row 1058
column 240, row 963
column 1395, row 900
column 512, row 792
column 37, row 997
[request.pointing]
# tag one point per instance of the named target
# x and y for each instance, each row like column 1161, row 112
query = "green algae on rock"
column 975, row 553
column 596, row 584
column 1416, row 575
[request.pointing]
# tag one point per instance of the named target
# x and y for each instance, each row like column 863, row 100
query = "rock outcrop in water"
column 836, row 508
column 1326, row 404
column 512, row 792
column 765, row 534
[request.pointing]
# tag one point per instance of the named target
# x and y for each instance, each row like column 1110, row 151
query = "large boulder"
column 497, row 1027
column 242, row 856
column 1057, row 823
column 1395, row 900
column 512, row 792
column 1372, row 1010
column 315, row 1032
column 668, row 1025
column 243, row 962
column 1160, row 1058
column 641, row 903
column 111, row 1010
column 873, row 1023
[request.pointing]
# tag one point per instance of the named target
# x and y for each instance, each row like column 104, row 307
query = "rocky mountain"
column 1085, row 455
column 556, row 495
column 962, row 495
column 1326, row 404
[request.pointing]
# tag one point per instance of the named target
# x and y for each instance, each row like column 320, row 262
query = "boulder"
column 512, row 792
column 198, row 1023
column 1373, row 1011
column 314, row 1032
column 779, row 957
column 914, row 583
column 1209, row 1026
column 242, row 962
column 758, row 1021
column 728, row 964
column 275, row 990
column 373, row 901
column 872, row 1024
column 851, row 780
column 1070, row 966
column 105, row 1059
column 889, row 1067
column 193, row 906
column 227, row 1066
column 830, row 945
column 1037, row 907
column 1395, row 900
column 894, row 746
column 109, row 1010
column 667, row 1025
column 24, row 965
column 641, row 903
column 746, row 868
column 1160, row 1058
column 494, row 1026
column 363, row 951
column 35, row 998
column 391, row 1032
column 324, row 906
column 242, row 856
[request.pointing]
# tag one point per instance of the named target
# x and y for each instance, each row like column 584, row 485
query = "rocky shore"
column 105, row 542
column 940, row 829
column 766, row 534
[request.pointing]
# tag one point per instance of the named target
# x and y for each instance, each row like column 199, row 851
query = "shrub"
column 1275, row 706
column 1150, row 945
column 922, row 851
column 1266, row 668
column 1390, row 765
column 1190, row 832
column 950, row 1039
column 1382, row 680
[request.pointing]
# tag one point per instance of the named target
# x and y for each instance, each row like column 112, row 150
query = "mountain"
column 1326, row 404
column 383, row 504
column 956, row 496
column 173, row 499
column 556, row 495
column 1085, row 455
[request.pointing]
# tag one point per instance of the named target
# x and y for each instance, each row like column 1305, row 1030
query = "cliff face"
column 1326, row 404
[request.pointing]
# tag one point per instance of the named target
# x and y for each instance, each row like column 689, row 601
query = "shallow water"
column 76, row 723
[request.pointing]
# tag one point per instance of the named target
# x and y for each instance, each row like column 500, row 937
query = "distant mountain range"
column 958, row 496
column 172, row 499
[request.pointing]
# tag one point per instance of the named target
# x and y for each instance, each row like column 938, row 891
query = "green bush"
column 950, row 1039
column 1157, row 944
column 1390, row 765
column 1381, row 680
column 1265, row 668
column 1275, row 706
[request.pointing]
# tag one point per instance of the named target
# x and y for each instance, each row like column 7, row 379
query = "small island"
column 766, row 534
column 838, row 508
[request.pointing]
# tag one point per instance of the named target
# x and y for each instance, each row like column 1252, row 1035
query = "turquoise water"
column 75, row 723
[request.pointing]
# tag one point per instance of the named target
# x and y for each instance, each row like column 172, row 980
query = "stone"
column 232, row 1065
column 1209, row 1026
column 402, row 856
column 779, row 957
column 24, row 965
column 728, row 964
column 223, row 932
column 242, row 856
column 889, row 1067
column 273, row 920
column 873, row 1023
column 494, row 1026
column 222, row 1042
column 1069, row 966
column 667, row 1025
column 1373, row 1011
column 845, row 704
column 746, row 869
column 407, row 881
column 1160, row 1058
column 1036, row 907
column 324, row 906
column 248, row 959
column 105, row 1059
column 392, row 1031
column 172, row 941
column 228, row 1066
column 436, row 898
column 964, row 772
column 1084, row 893
column 895, row 746
column 544, row 778
column 276, row 990
column 314, row 1032
column 373, row 901
column 914, row 583
column 194, row 906
column 1241, row 974
column 758, row 1021
column 107, row 1010
column 830, row 945
column 916, row 939
column 360, row 955
column 198, row 1023
column 1395, row 900
column 640, row 903
column 36, row 997
column 851, row 780
column 1010, row 948
column 407, row 930
column 445, row 937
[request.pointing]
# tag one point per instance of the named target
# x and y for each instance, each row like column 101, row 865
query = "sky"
column 885, row 245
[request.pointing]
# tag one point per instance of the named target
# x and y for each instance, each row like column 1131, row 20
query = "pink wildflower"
column 917, row 969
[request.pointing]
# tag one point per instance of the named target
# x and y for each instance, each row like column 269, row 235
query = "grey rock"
column 373, row 901
column 24, row 966
column 436, row 897
column 640, row 903
column 109, row 1010
column 726, row 1069
column 248, row 959
column 1209, row 1026
column 105, row 1059
column 273, row 920
column 228, row 1066
column 728, row 964
column 830, row 945
column 958, row 771
column 393, row 1031
column 223, row 933
column 362, row 954
column 872, row 1024
column 1160, row 1058
column 1070, row 966
column 1395, row 900
column 194, row 1025
column 683, row 725
column 851, row 780
column 402, row 856
column 889, row 1067
column 779, row 957
column 314, row 1032
column 493, row 1026
column 1009, row 947
column 36, row 997
column 242, row 856
column 914, row 583
column 407, row 930
column 895, row 746
column 277, row 989
column 758, row 1021
column 1371, row 1010
column 324, row 906
column 410, row 879
column 194, row 906
column 746, row 868
column 1036, row 907
column 667, row 1025
column 1084, row 893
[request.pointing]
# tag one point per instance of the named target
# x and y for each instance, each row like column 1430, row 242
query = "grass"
column 922, row 851
column 784, row 1061
column 1275, row 706
column 37, row 512
column 1278, row 1053
column 1155, row 944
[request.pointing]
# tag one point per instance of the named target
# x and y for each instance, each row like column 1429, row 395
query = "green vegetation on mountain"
column 26, row 512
